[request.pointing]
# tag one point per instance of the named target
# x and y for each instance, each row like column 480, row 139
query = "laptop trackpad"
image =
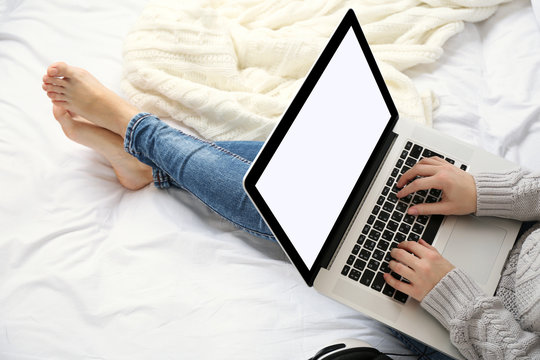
column 473, row 246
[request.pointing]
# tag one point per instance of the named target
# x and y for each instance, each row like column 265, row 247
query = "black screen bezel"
column 273, row 142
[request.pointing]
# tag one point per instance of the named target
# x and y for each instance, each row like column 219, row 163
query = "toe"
column 54, row 81
column 66, row 121
column 53, row 88
column 56, row 96
column 59, row 69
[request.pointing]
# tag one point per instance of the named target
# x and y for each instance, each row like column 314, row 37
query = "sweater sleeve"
column 511, row 194
column 480, row 327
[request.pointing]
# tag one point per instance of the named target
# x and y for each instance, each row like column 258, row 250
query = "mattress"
column 90, row 270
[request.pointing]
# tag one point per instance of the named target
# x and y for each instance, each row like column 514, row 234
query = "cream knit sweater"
column 229, row 69
column 506, row 326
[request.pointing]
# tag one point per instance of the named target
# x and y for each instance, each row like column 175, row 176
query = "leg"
column 130, row 172
column 210, row 172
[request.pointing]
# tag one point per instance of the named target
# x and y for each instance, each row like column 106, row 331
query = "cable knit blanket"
column 229, row 69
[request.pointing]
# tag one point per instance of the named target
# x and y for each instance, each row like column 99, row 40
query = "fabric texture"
column 208, row 170
column 229, row 69
column 506, row 326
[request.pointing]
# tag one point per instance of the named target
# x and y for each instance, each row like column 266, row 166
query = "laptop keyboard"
column 389, row 224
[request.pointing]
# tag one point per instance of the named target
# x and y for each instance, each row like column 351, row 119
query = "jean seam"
column 219, row 148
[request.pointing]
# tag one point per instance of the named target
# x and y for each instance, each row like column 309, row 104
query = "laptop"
column 325, row 183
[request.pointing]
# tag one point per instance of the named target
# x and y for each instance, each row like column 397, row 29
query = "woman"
column 506, row 326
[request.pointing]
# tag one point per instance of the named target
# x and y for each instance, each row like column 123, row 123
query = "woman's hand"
column 421, row 264
column 458, row 187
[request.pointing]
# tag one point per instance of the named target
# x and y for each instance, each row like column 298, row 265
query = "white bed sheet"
column 89, row 270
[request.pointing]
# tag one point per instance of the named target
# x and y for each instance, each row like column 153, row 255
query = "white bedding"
column 89, row 270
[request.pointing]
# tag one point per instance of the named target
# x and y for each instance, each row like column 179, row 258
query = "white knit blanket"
column 229, row 68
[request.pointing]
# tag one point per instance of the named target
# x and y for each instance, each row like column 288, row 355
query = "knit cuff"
column 494, row 194
column 451, row 297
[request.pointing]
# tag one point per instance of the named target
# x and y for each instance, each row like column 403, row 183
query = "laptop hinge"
column 355, row 202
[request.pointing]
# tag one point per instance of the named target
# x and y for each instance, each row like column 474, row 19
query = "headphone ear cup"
column 358, row 353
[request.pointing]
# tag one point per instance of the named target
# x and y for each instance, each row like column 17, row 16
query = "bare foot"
column 131, row 173
column 77, row 91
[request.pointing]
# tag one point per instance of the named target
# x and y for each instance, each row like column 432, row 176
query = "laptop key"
column 417, row 199
column 374, row 235
column 404, row 154
column 408, row 145
column 355, row 249
column 396, row 215
column 364, row 255
column 359, row 264
column 373, row 264
column 416, row 151
column 418, row 228
column 380, row 200
column 422, row 219
column 413, row 237
column 401, row 297
column 355, row 274
column 401, row 206
column 410, row 162
column 369, row 245
column 431, row 199
column 404, row 228
column 366, row 229
column 378, row 282
column 378, row 254
column 379, row 225
column 361, row 239
column 392, row 198
column 345, row 270
column 400, row 237
column 388, row 290
column 422, row 193
column 384, row 216
column 409, row 219
column 367, row 277
column 435, row 192
column 385, row 267
column 350, row 260
column 388, row 206
column 392, row 225
column 387, row 235
column 385, row 190
column 383, row 245
column 371, row 219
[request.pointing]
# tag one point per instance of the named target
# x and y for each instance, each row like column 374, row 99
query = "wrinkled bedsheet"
column 89, row 270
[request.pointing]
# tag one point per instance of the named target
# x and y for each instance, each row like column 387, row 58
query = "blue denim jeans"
column 213, row 172
column 421, row 351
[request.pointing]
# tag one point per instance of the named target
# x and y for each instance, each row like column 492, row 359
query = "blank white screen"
column 317, row 164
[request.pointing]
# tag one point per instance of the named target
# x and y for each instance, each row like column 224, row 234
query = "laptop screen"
column 312, row 173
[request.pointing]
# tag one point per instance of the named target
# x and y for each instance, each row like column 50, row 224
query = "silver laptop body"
column 324, row 181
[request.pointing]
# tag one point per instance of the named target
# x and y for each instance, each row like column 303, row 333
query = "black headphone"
column 342, row 352
column 352, row 349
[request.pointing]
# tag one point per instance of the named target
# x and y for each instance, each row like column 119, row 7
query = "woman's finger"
column 404, row 256
column 397, row 284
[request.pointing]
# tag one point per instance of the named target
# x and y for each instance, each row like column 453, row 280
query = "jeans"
column 421, row 351
column 213, row 172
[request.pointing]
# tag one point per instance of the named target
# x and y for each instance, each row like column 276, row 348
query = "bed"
column 90, row 270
